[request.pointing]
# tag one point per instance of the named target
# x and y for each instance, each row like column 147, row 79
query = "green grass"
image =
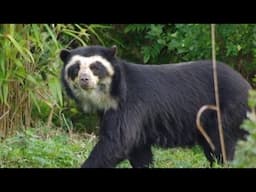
column 44, row 148
column 53, row 148
column 177, row 158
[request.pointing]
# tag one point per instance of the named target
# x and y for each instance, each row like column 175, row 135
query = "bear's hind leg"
column 141, row 157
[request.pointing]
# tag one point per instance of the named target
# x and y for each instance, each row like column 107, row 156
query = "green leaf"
column 32, row 79
column 20, row 49
column 20, row 71
column 72, row 34
column 53, row 35
column 146, row 54
column 5, row 91
column 35, row 100
column 56, row 90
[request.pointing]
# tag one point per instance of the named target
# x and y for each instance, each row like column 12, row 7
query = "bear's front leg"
column 116, row 140
column 106, row 154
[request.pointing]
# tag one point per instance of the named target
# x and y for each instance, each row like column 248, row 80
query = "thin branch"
column 216, row 90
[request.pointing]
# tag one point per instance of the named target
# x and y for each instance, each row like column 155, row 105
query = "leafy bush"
column 158, row 43
column 246, row 151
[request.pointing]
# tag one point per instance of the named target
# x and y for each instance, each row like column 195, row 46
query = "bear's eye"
column 98, row 69
column 73, row 71
column 95, row 67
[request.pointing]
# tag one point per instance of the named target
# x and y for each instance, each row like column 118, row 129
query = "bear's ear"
column 113, row 51
column 64, row 54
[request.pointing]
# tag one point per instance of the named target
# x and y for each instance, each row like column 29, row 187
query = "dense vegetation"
column 31, row 94
column 44, row 147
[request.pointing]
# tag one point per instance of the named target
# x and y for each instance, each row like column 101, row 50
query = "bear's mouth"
column 86, row 87
column 83, row 87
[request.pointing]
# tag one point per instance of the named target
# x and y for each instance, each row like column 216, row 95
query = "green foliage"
column 158, row 43
column 45, row 148
column 246, row 151
column 177, row 158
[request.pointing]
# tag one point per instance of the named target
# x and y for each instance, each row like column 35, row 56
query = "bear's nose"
column 84, row 78
column 84, row 81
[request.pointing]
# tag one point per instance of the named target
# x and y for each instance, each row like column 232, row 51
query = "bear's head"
column 88, row 73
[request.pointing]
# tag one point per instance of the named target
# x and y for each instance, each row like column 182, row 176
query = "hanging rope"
column 216, row 90
column 212, row 107
column 200, row 127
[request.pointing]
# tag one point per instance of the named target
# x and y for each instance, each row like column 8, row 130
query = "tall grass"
column 16, row 62
column 29, row 70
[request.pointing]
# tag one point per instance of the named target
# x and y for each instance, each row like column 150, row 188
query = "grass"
column 177, row 158
column 45, row 148
column 53, row 148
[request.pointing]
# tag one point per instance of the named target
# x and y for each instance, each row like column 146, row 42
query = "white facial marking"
column 87, row 61
column 99, row 97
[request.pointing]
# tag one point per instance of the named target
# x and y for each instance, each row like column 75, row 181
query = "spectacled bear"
column 141, row 106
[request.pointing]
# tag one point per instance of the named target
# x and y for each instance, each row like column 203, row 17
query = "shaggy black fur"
column 158, row 106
